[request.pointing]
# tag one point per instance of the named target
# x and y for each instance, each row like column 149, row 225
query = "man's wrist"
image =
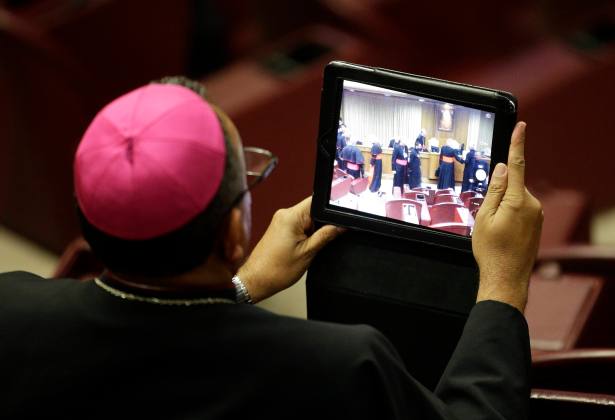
column 241, row 291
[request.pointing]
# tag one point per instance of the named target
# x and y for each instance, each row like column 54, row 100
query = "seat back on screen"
column 445, row 198
column 458, row 228
column 359, row 185
column 340, row 187
column 464, row 196
column 394, row 208
column 444, row 191
column 474, row 203
column 443, row 212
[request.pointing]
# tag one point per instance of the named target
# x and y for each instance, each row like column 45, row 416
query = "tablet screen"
column 411, row 159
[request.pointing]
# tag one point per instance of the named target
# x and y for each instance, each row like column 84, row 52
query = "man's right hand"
column 507, row 230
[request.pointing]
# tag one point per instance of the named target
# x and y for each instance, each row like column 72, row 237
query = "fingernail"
column 500, row 169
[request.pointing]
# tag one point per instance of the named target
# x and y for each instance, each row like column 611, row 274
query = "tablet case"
column 417, row 295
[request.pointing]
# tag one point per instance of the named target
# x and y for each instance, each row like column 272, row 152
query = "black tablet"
column 405, row 155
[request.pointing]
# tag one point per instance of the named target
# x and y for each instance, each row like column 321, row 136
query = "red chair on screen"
column 458, row 228
column 474, row 203
column 445, row 191
column 429, row 193
column 445, row 198
column 340, row 187
column 394, row 209
column 338, row 173
column 359, row 185
column 466, row 195
column 444, row 212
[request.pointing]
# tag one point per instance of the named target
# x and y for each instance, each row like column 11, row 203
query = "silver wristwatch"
column 241, row 292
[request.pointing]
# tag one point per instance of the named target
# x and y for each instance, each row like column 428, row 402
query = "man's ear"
column 235, row 241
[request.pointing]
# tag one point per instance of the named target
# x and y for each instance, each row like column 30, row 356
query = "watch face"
column 481, row 175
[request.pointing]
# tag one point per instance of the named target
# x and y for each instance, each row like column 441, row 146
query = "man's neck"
column 209, row 276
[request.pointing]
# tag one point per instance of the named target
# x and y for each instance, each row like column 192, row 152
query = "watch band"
column 241, row 292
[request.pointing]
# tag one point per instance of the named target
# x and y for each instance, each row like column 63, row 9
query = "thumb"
column 497, row 188
column 321, row 237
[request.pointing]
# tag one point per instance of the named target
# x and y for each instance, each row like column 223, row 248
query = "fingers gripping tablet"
column 406, row 155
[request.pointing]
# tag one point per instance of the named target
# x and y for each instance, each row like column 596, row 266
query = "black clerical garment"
column 414, row 168
column 376, row 162
column 420, row 140
column 70, row 349
column 353, row 160
column 446, row 175
column 339, row 146
column 399, row 159
column 468, row 171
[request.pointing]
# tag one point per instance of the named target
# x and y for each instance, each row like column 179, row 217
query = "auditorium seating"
column 445, row 198
column 446, row 191
column 257, row 99
column 338, row 173
column 572, row 298
column 47, row 99
column 394, row 210
column 567, row 405
column 585, row 370
column 340, row 187
column 357, row 186
column 412, row 195
column 459, row 228
column 466, row 195
column 444, row 212
column 429, row 194
column 78, row 262
column 474, row 203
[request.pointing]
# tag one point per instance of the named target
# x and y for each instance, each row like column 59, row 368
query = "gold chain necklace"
column 161, row 301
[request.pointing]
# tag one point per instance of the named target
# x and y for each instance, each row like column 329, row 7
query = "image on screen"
column 411, row 159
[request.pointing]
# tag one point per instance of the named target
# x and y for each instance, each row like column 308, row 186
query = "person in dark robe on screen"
column 468, row 170
column 392, row 143
column 446, row 170
column 414, row 166
column 376, row 162
column 421, row 138
column 399, row 161
column 353, row 159
column 339, row 145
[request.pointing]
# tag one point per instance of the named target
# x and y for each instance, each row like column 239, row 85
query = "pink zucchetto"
column 150, row 162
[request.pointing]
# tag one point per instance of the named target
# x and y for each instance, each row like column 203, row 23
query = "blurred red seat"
column 567, row 405
column 78, row 262
column 444, row 212
column 48, row 100
column 458, row 228
column 591, row 266
column 586, row 370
